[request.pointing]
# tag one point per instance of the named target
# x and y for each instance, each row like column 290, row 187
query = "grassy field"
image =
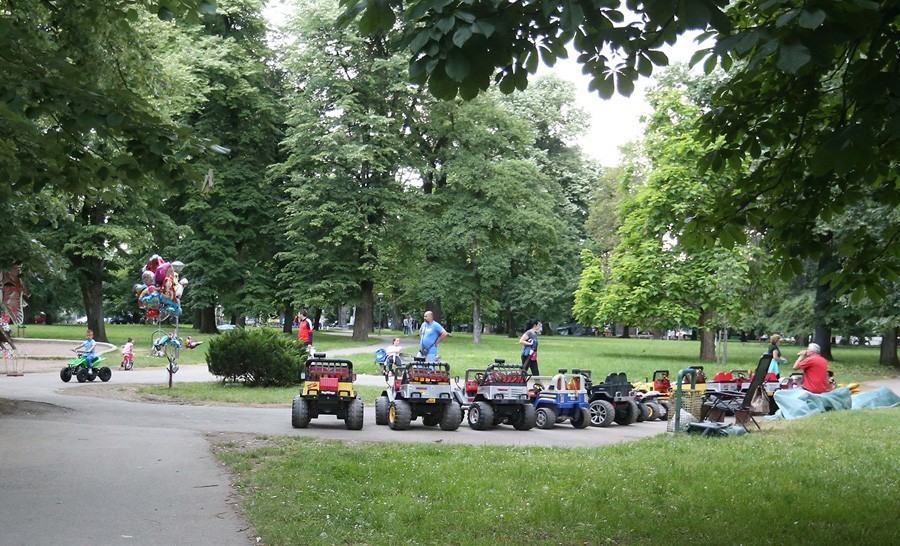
column 118, row 334
column 639, row 357
column 237, row 393
column 636, row 357
column 831, row 478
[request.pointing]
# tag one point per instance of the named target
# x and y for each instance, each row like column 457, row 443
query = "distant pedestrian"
column 530, row 350
column 305, row 329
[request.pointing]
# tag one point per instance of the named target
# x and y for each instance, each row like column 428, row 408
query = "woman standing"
column 777, row 357
column 530, row 341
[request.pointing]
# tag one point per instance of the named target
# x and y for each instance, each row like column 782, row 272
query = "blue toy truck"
column 563, row 396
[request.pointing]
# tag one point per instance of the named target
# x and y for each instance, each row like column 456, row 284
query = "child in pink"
column 128, row 353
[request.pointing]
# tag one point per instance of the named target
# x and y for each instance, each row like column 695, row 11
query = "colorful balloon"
column 162, row 271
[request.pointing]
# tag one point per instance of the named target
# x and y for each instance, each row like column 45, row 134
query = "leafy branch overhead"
column 460, row 47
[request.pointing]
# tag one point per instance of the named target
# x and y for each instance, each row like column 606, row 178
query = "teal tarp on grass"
column 881, row 397
column 797, row 403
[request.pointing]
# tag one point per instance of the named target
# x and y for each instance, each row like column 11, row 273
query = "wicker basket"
column 691, row 406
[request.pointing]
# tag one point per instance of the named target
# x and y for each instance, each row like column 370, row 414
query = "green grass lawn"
column 636, row 357
column 118, row 334
column 640, row 357
column 827, row 479
column 237, row 393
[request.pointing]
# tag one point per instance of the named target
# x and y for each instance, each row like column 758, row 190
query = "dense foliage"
column 258, row 357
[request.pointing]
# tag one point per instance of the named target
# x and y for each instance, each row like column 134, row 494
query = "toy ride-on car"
column 498, row 395
column 326, row 388
column 612, row 400
column 79, row 368
column 561, row 397
column 418, row 389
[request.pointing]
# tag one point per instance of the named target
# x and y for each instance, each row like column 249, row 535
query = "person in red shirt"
column 305, row 329
column 815, row 369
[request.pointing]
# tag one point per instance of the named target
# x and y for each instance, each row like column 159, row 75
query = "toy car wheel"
column 626, row 413
column 643, row 413
column 481, row 416
column 382, row 406
column 452, row 417
column 602, row 413
column 65, row 374
column 354, row 419
column 665, row 406
column 431, row 420
column 128, row 364
column 81, row 375
column 545, row 418
column 104, row 374
column 399, row 415
column 582, row 418
column 656, row 411
column 300, row 412
column 525, row 418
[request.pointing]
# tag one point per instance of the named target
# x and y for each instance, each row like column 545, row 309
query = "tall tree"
column 234, row 225
column 811, row 108
column 346, row 142
column 653, row 280
column 811, row 105
column 76, row 112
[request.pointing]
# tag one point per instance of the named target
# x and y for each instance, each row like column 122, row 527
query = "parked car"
column 573, row 330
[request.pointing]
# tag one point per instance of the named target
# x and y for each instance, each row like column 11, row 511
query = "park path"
column 85, row 470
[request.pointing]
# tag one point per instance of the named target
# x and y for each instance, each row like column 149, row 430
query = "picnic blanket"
column 797, row 403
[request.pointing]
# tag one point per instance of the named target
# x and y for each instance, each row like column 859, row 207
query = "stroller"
column 387, row 363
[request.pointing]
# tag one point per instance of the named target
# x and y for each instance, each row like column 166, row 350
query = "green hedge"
column 258, row 357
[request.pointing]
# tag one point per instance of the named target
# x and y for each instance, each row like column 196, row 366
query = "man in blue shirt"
column 430, row 335
column 87, row 350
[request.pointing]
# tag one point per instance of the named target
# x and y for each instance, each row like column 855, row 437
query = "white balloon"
column 183, row 282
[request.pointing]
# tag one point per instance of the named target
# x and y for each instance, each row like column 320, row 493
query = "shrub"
column 258, row 357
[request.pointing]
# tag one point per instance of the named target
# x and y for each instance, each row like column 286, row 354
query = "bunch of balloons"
column 159, row 292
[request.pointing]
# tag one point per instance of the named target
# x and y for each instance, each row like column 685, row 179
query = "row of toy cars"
column 498, row 394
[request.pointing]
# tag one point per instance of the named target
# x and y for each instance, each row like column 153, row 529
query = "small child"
column 87, row 348
column 128, row 354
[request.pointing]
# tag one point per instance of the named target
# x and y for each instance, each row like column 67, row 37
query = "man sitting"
column 815, row 369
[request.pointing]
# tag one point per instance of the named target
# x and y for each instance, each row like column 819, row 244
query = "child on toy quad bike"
column 86, row 350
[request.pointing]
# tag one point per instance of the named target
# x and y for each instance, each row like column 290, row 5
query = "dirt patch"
column 28, row 407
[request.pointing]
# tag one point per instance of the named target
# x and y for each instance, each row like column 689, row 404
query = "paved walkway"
column 84, row 470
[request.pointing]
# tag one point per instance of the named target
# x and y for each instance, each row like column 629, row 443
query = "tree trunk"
column 435, row 307
column 625, row 333
column 92, row 295
column 510, row 327
column 888, row 355
column 240, row 321
column 824, row 302
column 707, row 338
column 363, row 324
column 288, row 311
column 207, row 324
column 476, row 319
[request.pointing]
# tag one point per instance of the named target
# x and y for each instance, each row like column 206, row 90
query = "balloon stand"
column 159, row 295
